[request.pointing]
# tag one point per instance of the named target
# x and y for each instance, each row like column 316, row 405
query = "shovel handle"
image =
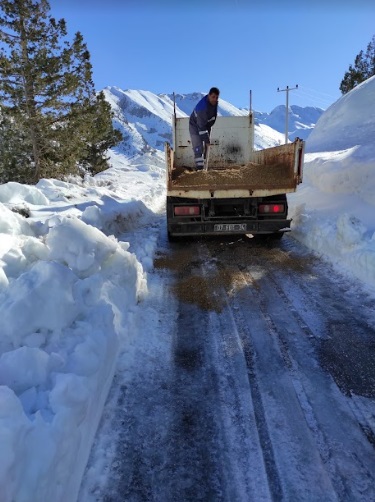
column 206, row 155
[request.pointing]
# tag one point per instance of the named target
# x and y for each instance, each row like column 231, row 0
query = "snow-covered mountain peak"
column 144, row 118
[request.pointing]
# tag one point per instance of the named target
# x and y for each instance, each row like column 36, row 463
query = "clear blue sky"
column 237, row 45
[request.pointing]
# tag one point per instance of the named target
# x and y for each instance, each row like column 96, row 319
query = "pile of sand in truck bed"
column 249, row 175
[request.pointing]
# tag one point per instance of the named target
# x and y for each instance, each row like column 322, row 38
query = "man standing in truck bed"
column 200, row 123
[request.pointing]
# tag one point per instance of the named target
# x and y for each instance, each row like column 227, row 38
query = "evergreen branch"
column 11, row 82
column 4, row 36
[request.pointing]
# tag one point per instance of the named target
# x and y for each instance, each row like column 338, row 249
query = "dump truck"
column 243, row 190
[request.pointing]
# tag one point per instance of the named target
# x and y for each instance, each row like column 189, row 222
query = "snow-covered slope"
column 349, row 122
column 144, row 118
column 301, row 121
column 187, row 102
column 334, row 208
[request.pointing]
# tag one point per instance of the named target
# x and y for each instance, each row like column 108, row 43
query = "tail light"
column 271, row 208
column 187, row 210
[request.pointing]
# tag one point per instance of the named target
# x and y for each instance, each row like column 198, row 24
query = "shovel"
column 206, row 156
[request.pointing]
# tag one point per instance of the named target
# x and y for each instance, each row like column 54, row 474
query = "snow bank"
column 113, row 217
column 348, row 122
column 12, row 223
column 67, row 292
column 344, row 239
column 30, row 293
column 333, row 210
column 16, row 192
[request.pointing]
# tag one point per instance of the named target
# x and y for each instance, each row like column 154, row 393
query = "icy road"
column 253, row 379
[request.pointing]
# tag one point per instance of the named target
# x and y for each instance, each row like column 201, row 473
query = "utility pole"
column 287, row 107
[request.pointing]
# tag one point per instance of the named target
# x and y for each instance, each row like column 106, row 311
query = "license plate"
column 231, row 227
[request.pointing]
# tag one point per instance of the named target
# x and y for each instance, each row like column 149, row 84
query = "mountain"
column 301, row 120
column 144, row 118
column 187, row 102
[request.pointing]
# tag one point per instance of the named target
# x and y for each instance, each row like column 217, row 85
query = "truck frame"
column 242, row 192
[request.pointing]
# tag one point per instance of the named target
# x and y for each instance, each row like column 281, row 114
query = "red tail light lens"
column 271, row 208
column 187, row 210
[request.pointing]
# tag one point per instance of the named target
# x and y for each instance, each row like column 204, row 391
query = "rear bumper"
column 180, row 228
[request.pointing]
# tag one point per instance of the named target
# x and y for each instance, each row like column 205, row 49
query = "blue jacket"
column 203, row 118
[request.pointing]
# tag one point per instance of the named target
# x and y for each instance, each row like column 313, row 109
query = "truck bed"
column 251, row 176
column 235, row 169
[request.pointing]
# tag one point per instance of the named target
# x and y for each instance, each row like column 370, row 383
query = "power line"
column 316, row 101
column 322, row 93
column 316, row 96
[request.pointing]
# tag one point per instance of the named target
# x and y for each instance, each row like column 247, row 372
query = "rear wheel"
column 172, row 238
column 276, row 236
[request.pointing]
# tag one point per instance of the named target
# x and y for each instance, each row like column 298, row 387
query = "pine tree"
column 99, row 135
column 364, row 68
column 46, row 88
column 91, row 116
column 15, row 161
